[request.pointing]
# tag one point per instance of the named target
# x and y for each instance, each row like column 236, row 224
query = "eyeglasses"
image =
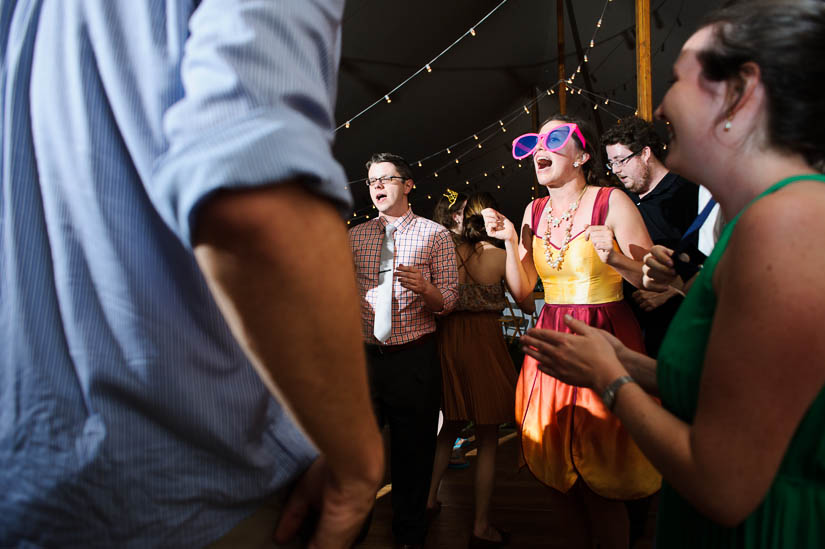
column 525, row 145
column 613, row 164
column 384, row 179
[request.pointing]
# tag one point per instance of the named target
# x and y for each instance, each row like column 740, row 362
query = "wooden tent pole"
column 562, row 72
column 644, row 99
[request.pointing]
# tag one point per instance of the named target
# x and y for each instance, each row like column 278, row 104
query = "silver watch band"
column 609, row 394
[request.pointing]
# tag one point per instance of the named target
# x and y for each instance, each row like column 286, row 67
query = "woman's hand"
column 602, row 238
column 585, row 358
column 658, row 272
column 498, row 226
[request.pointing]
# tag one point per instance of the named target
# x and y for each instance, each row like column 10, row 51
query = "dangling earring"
column 728, row 124
column 576, row 164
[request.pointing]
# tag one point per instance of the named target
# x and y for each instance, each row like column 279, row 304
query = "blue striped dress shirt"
column 129, row 416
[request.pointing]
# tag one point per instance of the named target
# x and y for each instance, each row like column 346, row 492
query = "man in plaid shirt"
column 404, row 370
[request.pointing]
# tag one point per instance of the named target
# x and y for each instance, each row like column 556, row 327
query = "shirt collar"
column 401, row 224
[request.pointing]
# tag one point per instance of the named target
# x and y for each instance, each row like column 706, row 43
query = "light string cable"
column 478, row 141
column 427, row 67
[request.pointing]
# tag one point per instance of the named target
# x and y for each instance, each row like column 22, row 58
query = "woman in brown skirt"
column 478, row 374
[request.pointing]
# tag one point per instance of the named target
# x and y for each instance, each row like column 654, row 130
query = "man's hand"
column 649, row 301
column 343, row 504
column 412, row 279
column 658, row 270
column 602, row 238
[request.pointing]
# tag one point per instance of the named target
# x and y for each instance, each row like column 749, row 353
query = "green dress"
column 792, row 515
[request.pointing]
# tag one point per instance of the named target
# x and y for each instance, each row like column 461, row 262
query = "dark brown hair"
column 401, row 165
column 786, row 39
column 635, row 133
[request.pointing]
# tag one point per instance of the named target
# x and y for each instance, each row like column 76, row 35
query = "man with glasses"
column 667, row 203
column 406, row 271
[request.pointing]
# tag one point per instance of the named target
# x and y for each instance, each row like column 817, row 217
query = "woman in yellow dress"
column 582, row 239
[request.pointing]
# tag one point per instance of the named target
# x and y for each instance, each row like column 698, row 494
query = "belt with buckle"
column 387, row 349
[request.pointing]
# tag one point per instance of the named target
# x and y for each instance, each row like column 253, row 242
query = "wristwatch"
column 609, row 394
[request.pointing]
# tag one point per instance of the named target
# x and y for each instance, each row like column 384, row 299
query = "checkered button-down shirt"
column 420, row 243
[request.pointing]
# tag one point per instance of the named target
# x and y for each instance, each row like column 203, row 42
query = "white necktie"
column 383, row 303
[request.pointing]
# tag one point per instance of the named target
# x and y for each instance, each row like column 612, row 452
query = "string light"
column 448, row 151
column 419, row 163
column 485, row 174
column 599, row 24
column 500, row 123
column 456, row 160
column 526, row 109
column 435, row 174
column 606, row 101
column 578, row 69
column 426, row 67
column 429, row 197
column 585, row 58
column 475, row 136
column 479, row 145
column 503, row 129
column 592, row 44
column 596, row 106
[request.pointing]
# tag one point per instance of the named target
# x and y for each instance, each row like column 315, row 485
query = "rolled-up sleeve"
column 259, row 82
column 445, row 270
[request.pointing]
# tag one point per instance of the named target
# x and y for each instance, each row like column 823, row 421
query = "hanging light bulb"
column 596, row 106
column 448, row 151
column 472, row 32
column 498, row 186
column 373, row 207
column 606, row 101
column 419, row 163
column 585, row 58
column 526, row 109
column 599, row 24
column 434, row 175
column 387, row 97
column 414, row 187
column 347, row 125
column 503, row 129
column 592, row 43
column 578, row 69
column 502, row 166
column 519, row 164
column 367, row 217
column 429, row 197
column 429, row 69
column 500, row 123
column 485, row 174
column 467, row 182
column 456, row 160
column 475, row 137
column 479, row 145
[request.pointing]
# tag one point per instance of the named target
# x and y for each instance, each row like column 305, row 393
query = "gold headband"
column 450, row 195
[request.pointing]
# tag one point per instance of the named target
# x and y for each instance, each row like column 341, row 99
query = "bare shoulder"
column 777, row 246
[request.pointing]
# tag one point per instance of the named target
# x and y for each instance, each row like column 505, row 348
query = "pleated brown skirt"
column 478, row 374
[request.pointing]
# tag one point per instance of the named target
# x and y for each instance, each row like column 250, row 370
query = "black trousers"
column 406, row 392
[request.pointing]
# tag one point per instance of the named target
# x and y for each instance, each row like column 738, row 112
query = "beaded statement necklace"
column 552, row 223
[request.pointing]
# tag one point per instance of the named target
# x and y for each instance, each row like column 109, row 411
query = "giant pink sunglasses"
column 555, row 139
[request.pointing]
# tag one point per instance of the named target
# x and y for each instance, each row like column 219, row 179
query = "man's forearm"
column 297, row 318
column 433, row 298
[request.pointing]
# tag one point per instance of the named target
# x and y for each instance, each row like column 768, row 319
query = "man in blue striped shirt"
column 165, row 169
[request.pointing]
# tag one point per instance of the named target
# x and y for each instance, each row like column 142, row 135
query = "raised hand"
column 498, row 226
column 658, row 272
column 412, row 279
column 602, row 238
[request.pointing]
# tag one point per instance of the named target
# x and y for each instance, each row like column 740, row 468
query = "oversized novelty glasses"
column 555, row 139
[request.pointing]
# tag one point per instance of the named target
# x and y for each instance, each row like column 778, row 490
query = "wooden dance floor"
column 535, row 515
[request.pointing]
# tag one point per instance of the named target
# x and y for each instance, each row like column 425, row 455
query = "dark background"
column 510, row 63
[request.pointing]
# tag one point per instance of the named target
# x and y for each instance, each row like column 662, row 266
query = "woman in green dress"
column 740, row 435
